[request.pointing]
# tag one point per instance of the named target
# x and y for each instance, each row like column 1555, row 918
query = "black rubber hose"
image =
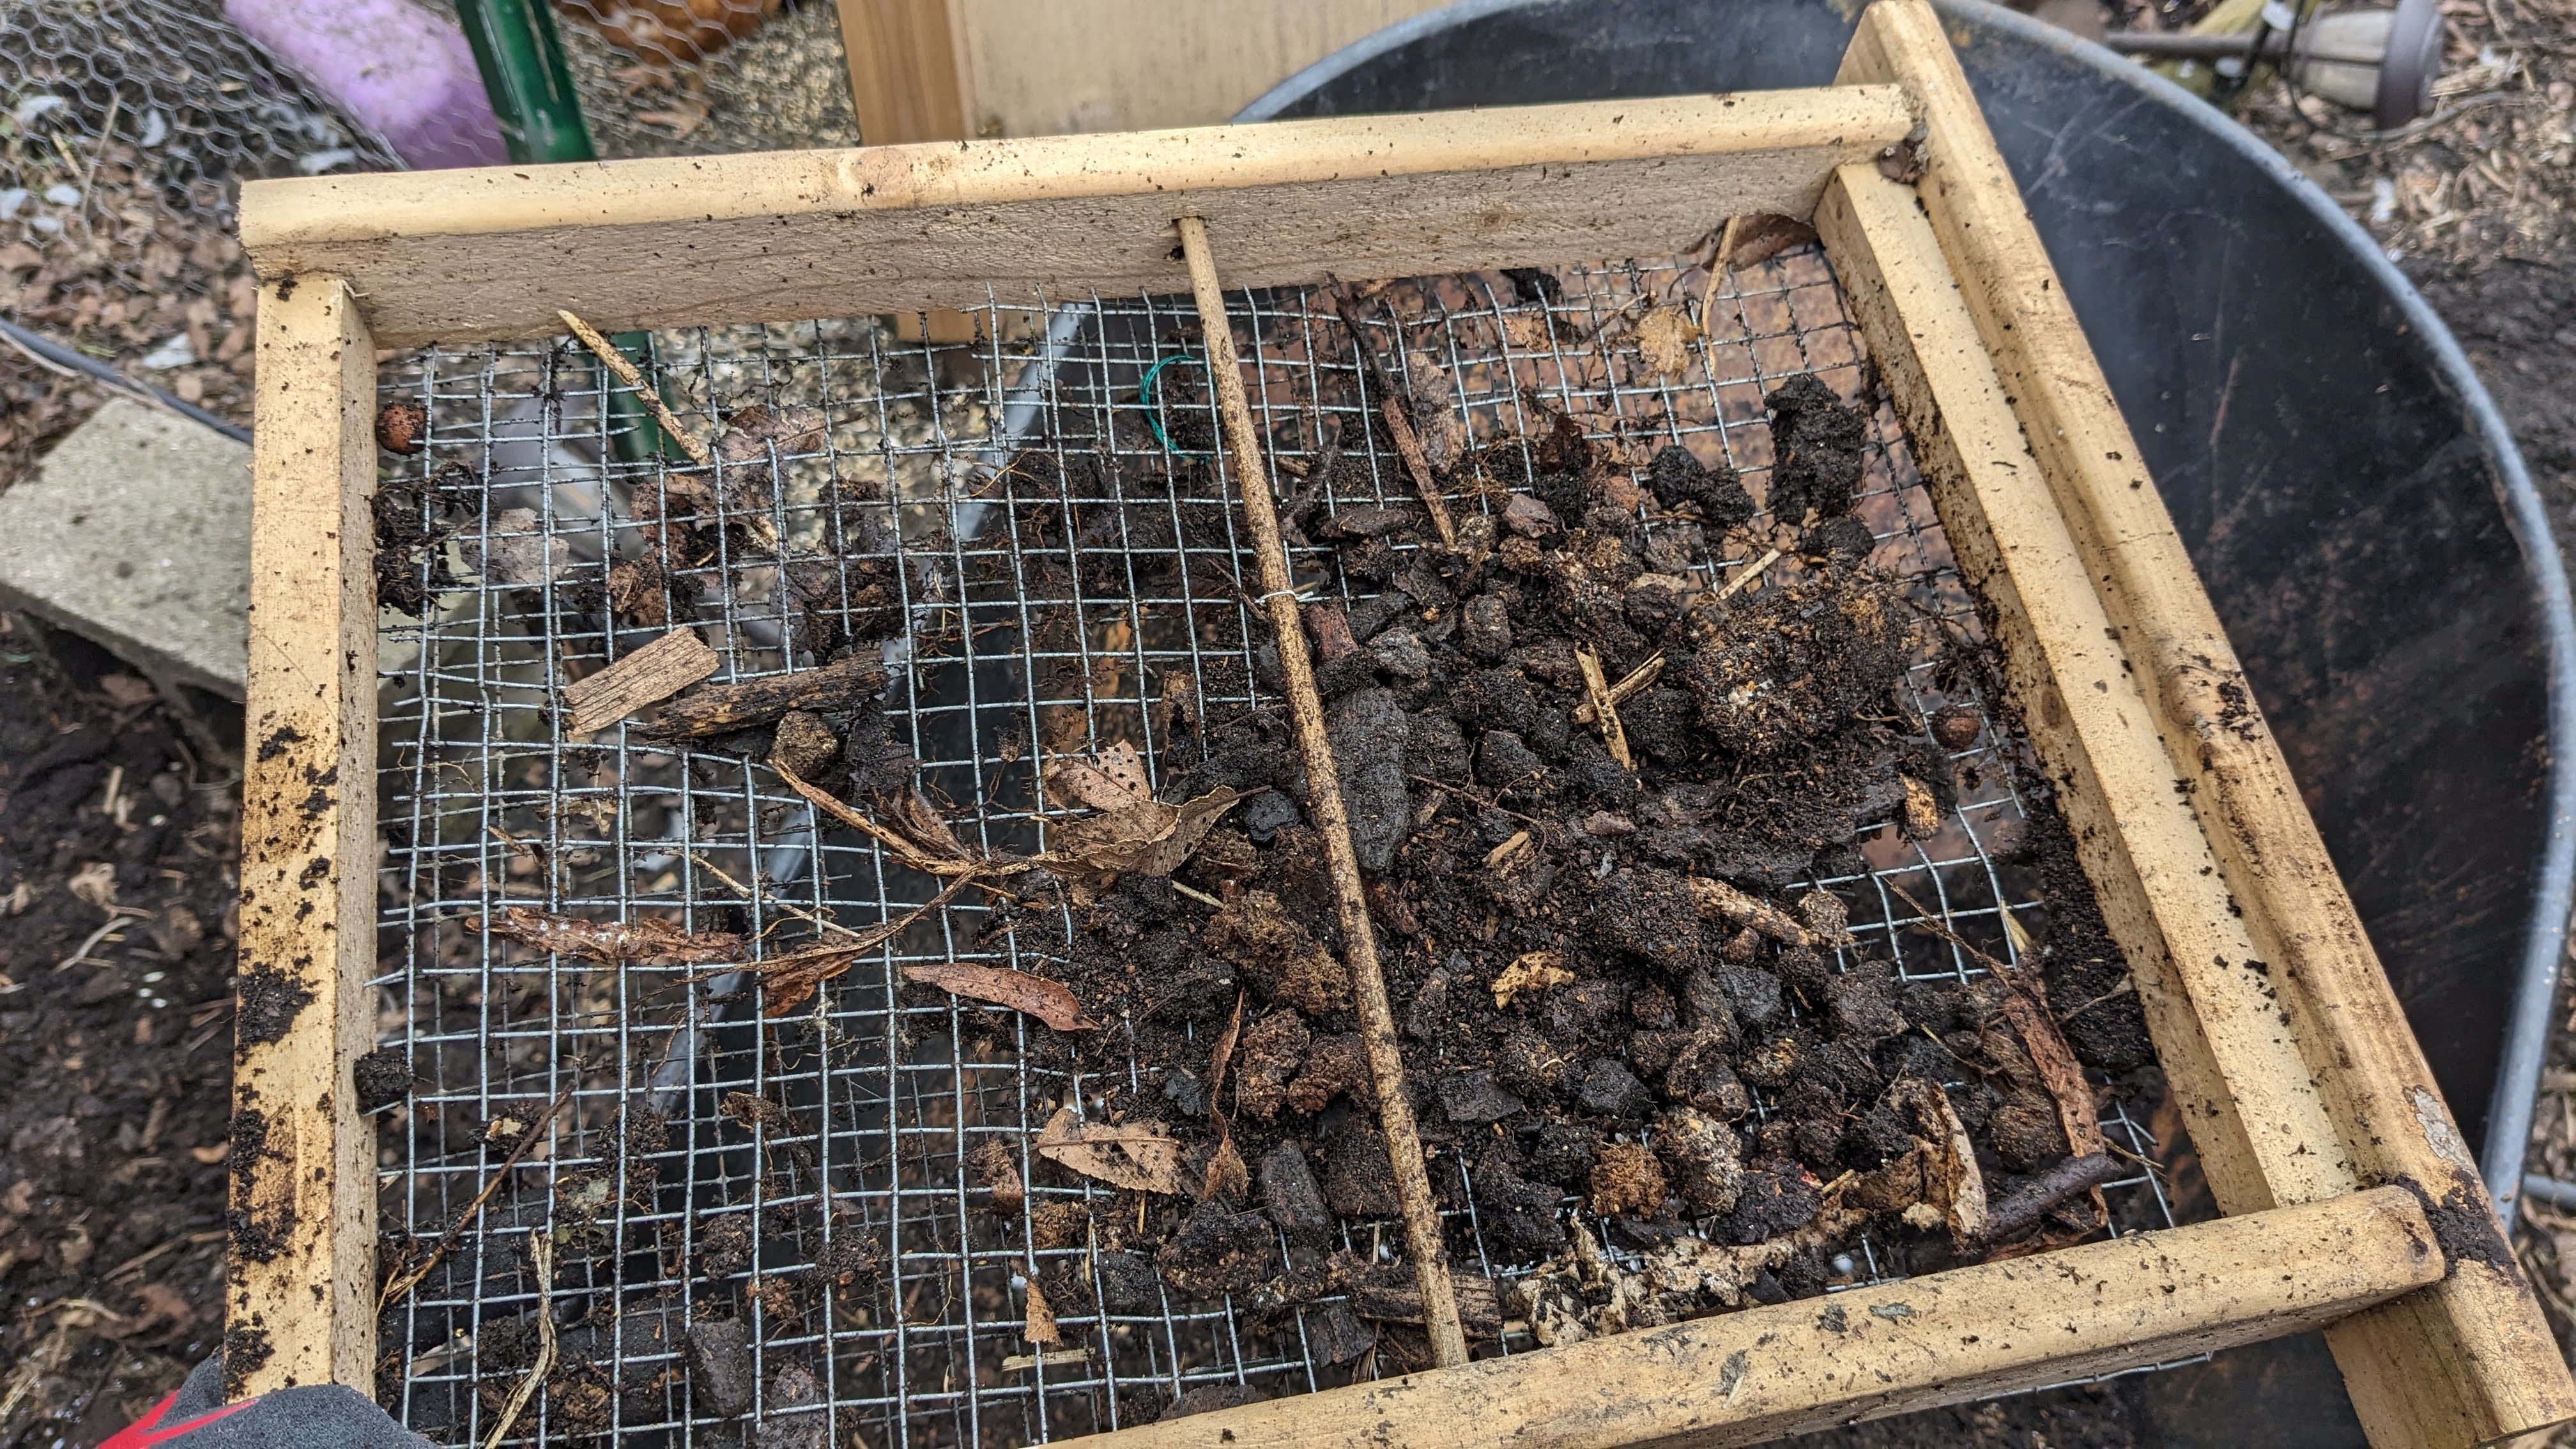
column 65, row 357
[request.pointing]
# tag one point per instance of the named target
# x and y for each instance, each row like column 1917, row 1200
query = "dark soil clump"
column 1598, row 961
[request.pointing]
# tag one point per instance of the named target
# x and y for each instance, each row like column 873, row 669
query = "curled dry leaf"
column 1535, row 972
column 1664, row 336
column 928, row 828
column 1951, row 1160
column 1040, row 1327
column 1046, row 1000
column 648, row 939
column 1133, row 831
column 1226, row 1174
column 1134, row 1155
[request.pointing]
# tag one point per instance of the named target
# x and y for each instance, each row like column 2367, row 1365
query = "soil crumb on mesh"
column 382, row 1077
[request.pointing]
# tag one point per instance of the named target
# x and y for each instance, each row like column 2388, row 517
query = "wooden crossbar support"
column 1423, row 1244
column 456, row 256
column 299, row 1300
column 1769, row 1372
column 2471, row 1361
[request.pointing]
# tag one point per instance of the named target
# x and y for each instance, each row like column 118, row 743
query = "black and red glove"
column 196, row 1417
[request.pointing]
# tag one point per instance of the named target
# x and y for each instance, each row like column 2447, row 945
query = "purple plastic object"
column 389, row 65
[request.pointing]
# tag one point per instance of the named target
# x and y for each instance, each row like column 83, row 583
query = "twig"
column 800, row 972
column 401, row 1287
column 1627, row 688
column 1424, row 1241
column 1751, row 571
column 1614, row 735
column 1390, row 405
column 1477, row 800
column 747, row 893
column 541, row 1256
column 904, row 850
column 618, row 362
column 116, row 916
column 1194, row 893
column 1717, row 267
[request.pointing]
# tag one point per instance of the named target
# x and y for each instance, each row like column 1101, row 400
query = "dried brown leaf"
column 1134, row 1155
column 1048, row 1001
column 1115, row 781
column 1151, row 838
column 1040, row 1327
column 1226, row 1175
column 928, row 828
column 1664, row 337
column 649, row 938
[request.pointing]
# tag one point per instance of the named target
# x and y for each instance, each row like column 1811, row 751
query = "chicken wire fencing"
column 126, row 130
column 769, row 1226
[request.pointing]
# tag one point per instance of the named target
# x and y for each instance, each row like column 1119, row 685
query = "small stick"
column 1472, row 798
column 1390, row 406
column 1494, row 858
column 1422, row 1236
column 2044, row 1190
column 401, row 1287
column 1744, row 580
column 747, row 893
column 1604, row 708
column 541, row 1256
column 1626, row 689
column 618, row 362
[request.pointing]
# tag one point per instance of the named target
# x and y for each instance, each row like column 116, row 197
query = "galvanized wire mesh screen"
column 804, row 1177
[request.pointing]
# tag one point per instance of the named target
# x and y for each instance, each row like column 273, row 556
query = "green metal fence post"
column 530, row 83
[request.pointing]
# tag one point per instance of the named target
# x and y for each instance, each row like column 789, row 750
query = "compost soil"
column 115, row 1068
column 1613, row 986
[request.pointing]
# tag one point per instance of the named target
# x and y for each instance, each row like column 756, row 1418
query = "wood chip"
column 1627, row 688
column 1614, row 735
column 1135, row 1155
column 1508, row 852
column 1719, row 901
column 1048, row 1001
column 723, row 708
column 1533, row 972
column 1664, row 338
column 645, row 676
column 649, row 938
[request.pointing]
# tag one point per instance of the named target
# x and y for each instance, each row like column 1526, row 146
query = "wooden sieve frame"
column 2317, row 1120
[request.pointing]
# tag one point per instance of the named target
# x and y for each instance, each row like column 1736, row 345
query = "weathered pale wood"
column 499, row 251
column 1423, row 1243
column 2471, row 1361
column 1037, row 67
column 642, row 677
column 1769, row 1372
column 2253, row 1110
column 301, row 1272
column 906, row 78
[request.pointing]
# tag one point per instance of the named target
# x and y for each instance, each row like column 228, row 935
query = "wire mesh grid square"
column 805, row 1175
